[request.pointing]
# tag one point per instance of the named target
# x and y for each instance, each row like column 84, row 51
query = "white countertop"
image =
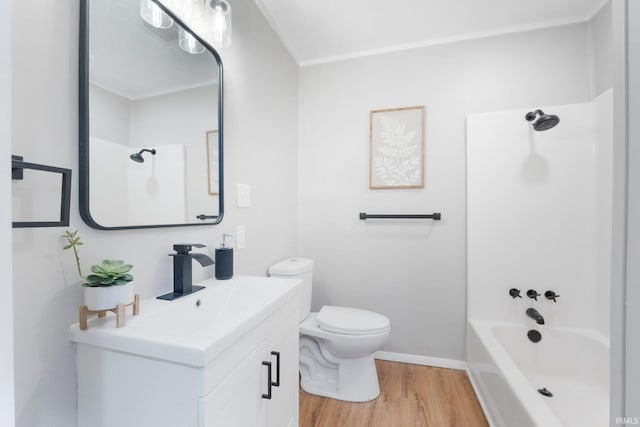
column 184, row 332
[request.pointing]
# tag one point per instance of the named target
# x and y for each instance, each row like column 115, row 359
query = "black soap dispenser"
column 224, row 260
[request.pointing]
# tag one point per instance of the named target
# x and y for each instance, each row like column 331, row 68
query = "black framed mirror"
column 151, row 119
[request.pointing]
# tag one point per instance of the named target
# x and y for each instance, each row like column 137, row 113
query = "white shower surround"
column 156, row 185
column 539, row 217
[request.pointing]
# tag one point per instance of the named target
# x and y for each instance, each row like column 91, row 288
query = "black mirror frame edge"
column 83, row 174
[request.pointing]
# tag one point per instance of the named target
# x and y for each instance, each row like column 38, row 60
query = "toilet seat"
column 351, row 321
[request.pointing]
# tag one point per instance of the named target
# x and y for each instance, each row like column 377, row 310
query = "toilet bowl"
column 336, row 343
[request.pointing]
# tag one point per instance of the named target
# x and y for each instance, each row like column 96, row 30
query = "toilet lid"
column 351, row 321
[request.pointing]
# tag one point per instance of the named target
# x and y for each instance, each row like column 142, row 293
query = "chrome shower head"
column 137, row 157
column 543, row 122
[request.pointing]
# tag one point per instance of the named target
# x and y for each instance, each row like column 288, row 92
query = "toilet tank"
column 297, row 268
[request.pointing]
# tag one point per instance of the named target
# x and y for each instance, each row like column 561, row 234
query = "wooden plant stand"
column 119, row 311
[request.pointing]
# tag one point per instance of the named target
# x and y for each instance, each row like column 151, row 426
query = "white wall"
column 6, row 303
column 111, row 187
column 110, row 115
column 600, row 37
column 414, row 272
column 632, row 398
column 260, row 107
column 539, row 215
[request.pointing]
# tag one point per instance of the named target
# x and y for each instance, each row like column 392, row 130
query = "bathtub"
column 506, row 370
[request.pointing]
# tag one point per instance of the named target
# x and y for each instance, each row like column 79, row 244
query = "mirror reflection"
column 153, row 139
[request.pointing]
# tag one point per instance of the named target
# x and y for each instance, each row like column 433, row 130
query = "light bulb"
column 188, row 43
column 192, row 8
column 220, row 18
column 153, row 15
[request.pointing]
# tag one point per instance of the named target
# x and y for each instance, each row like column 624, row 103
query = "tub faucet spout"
column 533, row 313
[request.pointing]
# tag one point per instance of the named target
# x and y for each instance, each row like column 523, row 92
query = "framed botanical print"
column 396, row 138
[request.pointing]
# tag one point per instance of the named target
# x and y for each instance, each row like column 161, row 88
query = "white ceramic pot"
column 108, row 297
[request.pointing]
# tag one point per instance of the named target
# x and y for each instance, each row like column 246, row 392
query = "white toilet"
column 337, row 343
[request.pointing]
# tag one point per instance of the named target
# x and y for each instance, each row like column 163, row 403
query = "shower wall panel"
column 539, row 214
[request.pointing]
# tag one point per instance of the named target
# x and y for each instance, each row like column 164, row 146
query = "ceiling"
column 329, row 30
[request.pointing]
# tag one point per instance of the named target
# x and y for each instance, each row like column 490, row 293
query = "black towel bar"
column 18, row 165
column 435, row 216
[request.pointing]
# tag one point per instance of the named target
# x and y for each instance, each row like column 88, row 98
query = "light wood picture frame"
column 212, row 162
column 396, row 148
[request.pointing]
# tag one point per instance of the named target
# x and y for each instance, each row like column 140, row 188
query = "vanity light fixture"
column 188, row 43
column 220, row 19
column 153, row 15
column 192, row 9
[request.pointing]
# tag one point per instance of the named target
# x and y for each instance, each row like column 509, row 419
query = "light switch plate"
column 244, row 196
column 241, row 237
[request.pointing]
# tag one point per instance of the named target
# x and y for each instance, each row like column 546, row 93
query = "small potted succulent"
column 110, row 282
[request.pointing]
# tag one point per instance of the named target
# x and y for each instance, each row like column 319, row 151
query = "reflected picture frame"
column 396, row 148
column 212, row 162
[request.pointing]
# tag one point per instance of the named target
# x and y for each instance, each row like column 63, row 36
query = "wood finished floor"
column 410, row 396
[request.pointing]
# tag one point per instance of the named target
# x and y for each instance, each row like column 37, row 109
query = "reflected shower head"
column 543, row 122
column 137, row 157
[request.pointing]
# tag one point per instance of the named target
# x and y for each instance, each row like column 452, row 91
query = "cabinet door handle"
column 277, row 381
column 269, row 383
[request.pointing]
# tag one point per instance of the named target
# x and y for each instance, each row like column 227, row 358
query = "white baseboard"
column 421, row 360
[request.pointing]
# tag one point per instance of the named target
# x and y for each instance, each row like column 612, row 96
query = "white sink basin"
column 193, row 329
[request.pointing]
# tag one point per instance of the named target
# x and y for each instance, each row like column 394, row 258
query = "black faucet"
column 182, row 280
column 533, row 313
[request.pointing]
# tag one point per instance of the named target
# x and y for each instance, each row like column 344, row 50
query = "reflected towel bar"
column 435, row 216
column 204, row 216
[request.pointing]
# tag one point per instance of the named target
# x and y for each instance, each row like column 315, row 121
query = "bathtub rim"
column 518, row 383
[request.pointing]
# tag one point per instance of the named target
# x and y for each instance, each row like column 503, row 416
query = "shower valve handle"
column 551, row 295
column 515, row 293
column 533, row 294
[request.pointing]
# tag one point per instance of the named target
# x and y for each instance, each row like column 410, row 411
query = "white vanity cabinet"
column 282, row 410
column 142, row 376
column 245, row 398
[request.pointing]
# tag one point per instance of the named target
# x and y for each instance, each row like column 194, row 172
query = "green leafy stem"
column 109, row 273
column 73, row 242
